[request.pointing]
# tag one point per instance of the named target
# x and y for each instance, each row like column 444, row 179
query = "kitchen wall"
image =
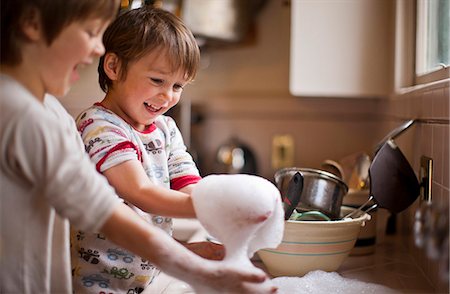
column 430, row 137
column 242, row 92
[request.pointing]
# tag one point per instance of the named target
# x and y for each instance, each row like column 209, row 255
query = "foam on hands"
column 243, row 212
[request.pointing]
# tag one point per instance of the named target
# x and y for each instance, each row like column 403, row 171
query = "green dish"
column 312, row 215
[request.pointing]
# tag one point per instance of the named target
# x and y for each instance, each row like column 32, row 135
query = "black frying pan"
column 393, row 184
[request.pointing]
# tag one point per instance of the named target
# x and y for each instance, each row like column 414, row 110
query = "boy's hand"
column 208, row 250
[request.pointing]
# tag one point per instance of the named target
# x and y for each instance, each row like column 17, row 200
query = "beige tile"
column 446, row 196
column 416, row 105
column 426, row 142
column 445, row 157
column 418, row 138
column 439, row 103
column 436, row 191
column 437, row 152
column 446, row 105
column 427, row 104
column 407, row 104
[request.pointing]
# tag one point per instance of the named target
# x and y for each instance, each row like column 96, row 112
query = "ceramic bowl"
column 313, row 245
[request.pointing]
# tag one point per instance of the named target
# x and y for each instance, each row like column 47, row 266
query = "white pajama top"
column 99, row 265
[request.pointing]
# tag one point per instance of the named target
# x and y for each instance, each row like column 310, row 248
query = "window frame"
column 421, row 31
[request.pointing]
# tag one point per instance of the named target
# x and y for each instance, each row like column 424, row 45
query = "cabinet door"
column 341, row 48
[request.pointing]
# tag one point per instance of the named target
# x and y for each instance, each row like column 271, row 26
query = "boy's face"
column 74, row 47
column 151, row 87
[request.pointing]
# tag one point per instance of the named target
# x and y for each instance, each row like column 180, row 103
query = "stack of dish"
column 314, row 245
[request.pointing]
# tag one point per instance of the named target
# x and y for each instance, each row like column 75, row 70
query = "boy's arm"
column 133, row 185
column 128, row 230
column 187, row 189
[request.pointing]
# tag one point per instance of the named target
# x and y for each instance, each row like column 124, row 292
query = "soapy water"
column 317, row 282
column 314, row 282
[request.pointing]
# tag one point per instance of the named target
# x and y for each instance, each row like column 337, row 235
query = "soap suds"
column 243, row 212
column 316, row 282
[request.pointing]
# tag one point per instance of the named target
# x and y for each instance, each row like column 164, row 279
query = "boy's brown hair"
column 55, row 15
column 139, row 31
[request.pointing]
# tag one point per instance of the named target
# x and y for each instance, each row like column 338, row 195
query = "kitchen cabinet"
column 341, row 48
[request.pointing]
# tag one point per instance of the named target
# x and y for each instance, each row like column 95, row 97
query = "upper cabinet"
column 341, row 48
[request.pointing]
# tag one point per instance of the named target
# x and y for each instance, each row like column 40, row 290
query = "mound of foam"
column 244, row 212
column 324, row 282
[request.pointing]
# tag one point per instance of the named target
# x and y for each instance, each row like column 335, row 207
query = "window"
column 432, row 40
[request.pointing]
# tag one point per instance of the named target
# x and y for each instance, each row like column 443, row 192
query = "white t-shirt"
column 46, row 179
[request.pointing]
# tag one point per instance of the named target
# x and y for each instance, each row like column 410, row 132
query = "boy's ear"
column 30, row 23
column 111, row 66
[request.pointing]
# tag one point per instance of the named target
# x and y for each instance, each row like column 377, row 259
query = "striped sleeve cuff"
column 180, row 182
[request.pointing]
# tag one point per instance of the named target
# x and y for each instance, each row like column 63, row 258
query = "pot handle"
column 294, row 192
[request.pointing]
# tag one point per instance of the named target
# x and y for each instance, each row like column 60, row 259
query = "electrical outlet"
column 426, row 176
column 282, row 151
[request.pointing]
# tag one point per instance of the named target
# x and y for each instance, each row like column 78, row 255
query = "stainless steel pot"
column 220, row 20
column 321, row 191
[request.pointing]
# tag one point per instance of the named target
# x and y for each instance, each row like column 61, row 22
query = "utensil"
column 293, row 195
column 393, row 184
column 359, row 179
column 353, row 169
column 333, row 167
column 322, row 191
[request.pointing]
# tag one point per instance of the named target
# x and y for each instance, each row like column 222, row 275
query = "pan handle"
column 394, row 133
column 294, row 192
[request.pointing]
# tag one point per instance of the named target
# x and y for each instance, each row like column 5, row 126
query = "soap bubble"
column 327, row 282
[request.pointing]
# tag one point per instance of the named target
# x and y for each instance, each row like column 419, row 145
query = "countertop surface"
column 390, row 265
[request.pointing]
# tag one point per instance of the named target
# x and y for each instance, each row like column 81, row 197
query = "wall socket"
column 282, row 151
column 426, row 177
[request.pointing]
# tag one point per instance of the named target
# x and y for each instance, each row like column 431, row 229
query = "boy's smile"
column 152, row 108
column 74, row 48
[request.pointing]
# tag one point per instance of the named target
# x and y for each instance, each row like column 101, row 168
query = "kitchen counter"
column 390, row 265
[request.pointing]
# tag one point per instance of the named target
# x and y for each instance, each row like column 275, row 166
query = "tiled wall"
column 321, row 128
column 429, row 137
